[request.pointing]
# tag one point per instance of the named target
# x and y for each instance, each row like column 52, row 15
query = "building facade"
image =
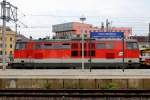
column 127, row 30
column 75, row 29
column 10, row 41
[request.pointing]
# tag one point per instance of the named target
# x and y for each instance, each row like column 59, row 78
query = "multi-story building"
column 75, row 29
column 127, row 30
column 10, row 41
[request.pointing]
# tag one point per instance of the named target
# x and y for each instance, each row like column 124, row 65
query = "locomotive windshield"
column 132, row 45
column 20, row 45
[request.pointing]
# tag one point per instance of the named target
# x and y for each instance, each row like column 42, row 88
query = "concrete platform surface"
column 75, row 74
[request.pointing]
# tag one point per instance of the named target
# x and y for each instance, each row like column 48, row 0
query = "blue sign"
column 107, row 34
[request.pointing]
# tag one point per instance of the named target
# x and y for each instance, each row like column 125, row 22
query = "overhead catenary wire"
column 136, row 22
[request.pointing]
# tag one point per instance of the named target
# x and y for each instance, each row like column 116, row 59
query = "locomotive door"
column 30, row 52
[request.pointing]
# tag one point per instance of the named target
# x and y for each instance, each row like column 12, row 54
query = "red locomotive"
column 68, row 53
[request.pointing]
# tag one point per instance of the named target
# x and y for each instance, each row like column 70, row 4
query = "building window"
column 10, row 45
column 10, row 38
column 1, row 45
column 11, row 52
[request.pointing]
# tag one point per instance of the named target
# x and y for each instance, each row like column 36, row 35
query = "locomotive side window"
column 66, row 46
column 132, row 45
column 109, row 46
column 20, row 46
column 100, row 46
column 38, row 46
column 47, row 46
column 105, row 46
column 56, row 46
column 60, row 46
column 74, row 53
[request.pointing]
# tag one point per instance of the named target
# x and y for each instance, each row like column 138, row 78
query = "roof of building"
column 7, row 28
column 20, row 37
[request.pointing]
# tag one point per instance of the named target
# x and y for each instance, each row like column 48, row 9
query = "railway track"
column 61, row 67
column 73, row 93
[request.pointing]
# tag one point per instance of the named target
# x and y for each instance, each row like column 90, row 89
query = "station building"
column 10, row 41
column 75, row 29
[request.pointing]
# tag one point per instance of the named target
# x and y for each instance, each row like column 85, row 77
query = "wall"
column 76, row 83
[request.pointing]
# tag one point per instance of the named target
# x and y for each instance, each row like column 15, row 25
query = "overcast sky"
column 40, row 15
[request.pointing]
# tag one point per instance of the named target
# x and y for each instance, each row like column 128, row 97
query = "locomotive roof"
column 70, row 40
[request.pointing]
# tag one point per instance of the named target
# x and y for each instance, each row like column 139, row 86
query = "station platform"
column 75, row 74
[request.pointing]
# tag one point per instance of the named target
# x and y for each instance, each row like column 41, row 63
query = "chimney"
column 107, row 25
column 102, row 26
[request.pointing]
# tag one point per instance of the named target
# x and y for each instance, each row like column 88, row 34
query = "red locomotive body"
column 68, row 53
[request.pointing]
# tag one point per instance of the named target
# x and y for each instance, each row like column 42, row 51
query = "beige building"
column 10, row 41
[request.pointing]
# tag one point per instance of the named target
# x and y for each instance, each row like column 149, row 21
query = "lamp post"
column 82, row 19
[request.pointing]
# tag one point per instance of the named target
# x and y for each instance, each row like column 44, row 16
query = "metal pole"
column 123, row 53
column 82, row 19
column 16, row 22
column 90, row 54
column 4, row 33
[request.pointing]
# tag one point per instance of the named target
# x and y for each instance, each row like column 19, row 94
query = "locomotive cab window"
column 132, row 45
column 20, row 45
